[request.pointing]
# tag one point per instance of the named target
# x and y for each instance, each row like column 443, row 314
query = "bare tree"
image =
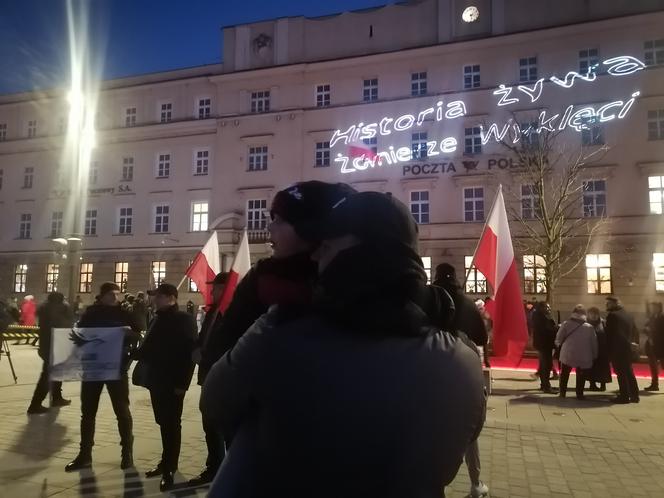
column 555, row 228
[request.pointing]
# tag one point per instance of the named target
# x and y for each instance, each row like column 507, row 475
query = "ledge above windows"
column 472, row 179
column 651, row 168
column 597, row 171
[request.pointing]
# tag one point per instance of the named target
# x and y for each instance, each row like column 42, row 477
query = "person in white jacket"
column 578, row 349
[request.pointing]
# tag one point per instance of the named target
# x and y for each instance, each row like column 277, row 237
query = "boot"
column 60, row 401
column 82, row 461
column 127, row 458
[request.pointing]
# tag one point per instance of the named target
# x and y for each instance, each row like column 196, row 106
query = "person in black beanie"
column 286, row 278
column 361, row 392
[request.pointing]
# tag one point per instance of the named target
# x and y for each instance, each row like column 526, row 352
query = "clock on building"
column 470, row 14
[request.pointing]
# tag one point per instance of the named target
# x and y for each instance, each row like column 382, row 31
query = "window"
column 528, row 69
column 158, row 272
column 127, row 169
column 199, row 216
column 258, row 158
column 85, row 278
column 473, row 143
column 125, row 220
column 130, row 116
column 163, row 165
column 25, row 226
column 161, row 218
column 201, row 162
column 654, row 52
column 56, row 224
column 656, row 125
column 592, row 133
column 256, row 217
column 28, row 176
column 372, row 143
column 529, row 134
column 476, row 281
column 322, row 154
column 20, row 277
column 166, row 112
column 419, row 205
column 658, row 266
column 260, row 101
column 418, row 84
column 594, row 198
column 322, row 95
column 530, row 202
column 471, row 76
column 473, row 204
column 121, row 275
column 418, row 145
column 370, row 91
column 426, row 263
column 3, row 132
column 598, row 273
column 90, row 227
column 52, row 273
column 2, row 174
column 587, row 59
column 534, row 274
column 32, row 129
column 656, row 194
column 204, row 108
column 93, row 173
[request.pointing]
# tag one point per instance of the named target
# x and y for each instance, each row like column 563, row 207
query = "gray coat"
column 579, row 342
column 319, row 411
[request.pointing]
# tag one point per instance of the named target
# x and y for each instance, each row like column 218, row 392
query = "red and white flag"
column 205, row 267
column 495, row 259
column 241, row 265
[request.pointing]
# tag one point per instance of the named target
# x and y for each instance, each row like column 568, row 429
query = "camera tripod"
column 4, row 351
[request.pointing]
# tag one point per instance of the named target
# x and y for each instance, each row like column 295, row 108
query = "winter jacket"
column 52, row 316
column 656, row 335
column 28, row 313
column 620, row 332
column 139, row 312
column 544, row 331
column 210, row 326
column 167, row 349
column 578, row 342
column 467, row 317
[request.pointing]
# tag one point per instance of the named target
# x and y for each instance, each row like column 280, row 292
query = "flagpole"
column 181, row 281
column 493, row 204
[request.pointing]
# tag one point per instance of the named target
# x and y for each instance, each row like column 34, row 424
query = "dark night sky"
column 131, row 37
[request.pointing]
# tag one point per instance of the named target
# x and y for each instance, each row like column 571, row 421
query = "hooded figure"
column 352, row 397
column 578, row 349
column 28, row 311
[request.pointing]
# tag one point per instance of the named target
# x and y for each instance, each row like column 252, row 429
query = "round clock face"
column 470, row 14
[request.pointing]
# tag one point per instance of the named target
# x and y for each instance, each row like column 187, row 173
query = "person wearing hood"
column 601, row 371
column 578, row 349
column 620, row 333
column 353, row 396
column 544, row 336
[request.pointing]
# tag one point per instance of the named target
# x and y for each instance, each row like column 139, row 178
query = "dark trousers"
column 167, row 408
column 629, row 389
column 215, row 445
column 653, row 363
column 545, row 366
column 43, row 386
column 565, row 370
column 118, row 390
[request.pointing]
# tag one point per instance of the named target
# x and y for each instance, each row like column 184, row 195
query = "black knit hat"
column 445, row 272
column 305, row 204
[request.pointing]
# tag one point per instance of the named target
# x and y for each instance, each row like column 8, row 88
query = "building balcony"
column 258, row 236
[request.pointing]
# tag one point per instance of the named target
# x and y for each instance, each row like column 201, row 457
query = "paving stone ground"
column 533, row 445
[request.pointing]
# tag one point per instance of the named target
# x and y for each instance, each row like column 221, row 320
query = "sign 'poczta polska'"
column 575, row 117
column 441, row 168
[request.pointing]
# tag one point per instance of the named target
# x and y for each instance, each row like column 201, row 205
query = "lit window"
column 322, row 95
column 471, row 76
column 93, row 173
column 90, row 226
column 476, row 281
column 166, row 112
column 56, row 224
column 199, row 216
column 158, row 272
column 592, row 132
column 85, row 278
column 28, row 177
column 372, row 143
column 256, row 214
column 473, row 140
column 530, row 203
column 528, row 69
column 418, row 84
column 534, row 275
column 322, row 154
column 587, row 59
column 418, row 145
column 127, row 169
column 656, row 125
column 258, row 158
column 161, row 218
column 419, row 205
column 473, row 204
column 121, row 275
column 163, row 165
column 594, row 198
column 125, row 220
column 130, row 116
column 20, row 277
column 25, row 226
column 201, row 162
column 370, row 90
column 260, row 101
column 204, row 108
column 32, row 129
column 598, row 273
column 656, row 194
column 426, row 262
column 654, row 52
column 52, row 273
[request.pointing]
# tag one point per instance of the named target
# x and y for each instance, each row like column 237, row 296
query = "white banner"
column 87, row 354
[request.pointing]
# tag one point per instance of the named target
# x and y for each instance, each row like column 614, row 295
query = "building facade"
column 419, row 84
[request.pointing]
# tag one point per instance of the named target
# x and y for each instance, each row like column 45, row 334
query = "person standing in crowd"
column 191, row 308
column 620, row 329
column 106, row 312
column 655, row 344
column 139, row 311
column 601, row 370
column 467, row 319
column 578, row 349
column 77, row 307
column 14, row 311
column 214, row 440
column 54, row 313
column 28, row 311
column 167, row 354
column 544, row 336
column 320, row 393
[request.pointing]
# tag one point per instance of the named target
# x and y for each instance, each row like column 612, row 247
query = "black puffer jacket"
column 544, row 331
column 466, row 316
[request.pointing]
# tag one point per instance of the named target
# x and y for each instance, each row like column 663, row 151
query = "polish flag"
column 362, row 151
column 205, row 267
column 241, row 265
column 494, row 257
